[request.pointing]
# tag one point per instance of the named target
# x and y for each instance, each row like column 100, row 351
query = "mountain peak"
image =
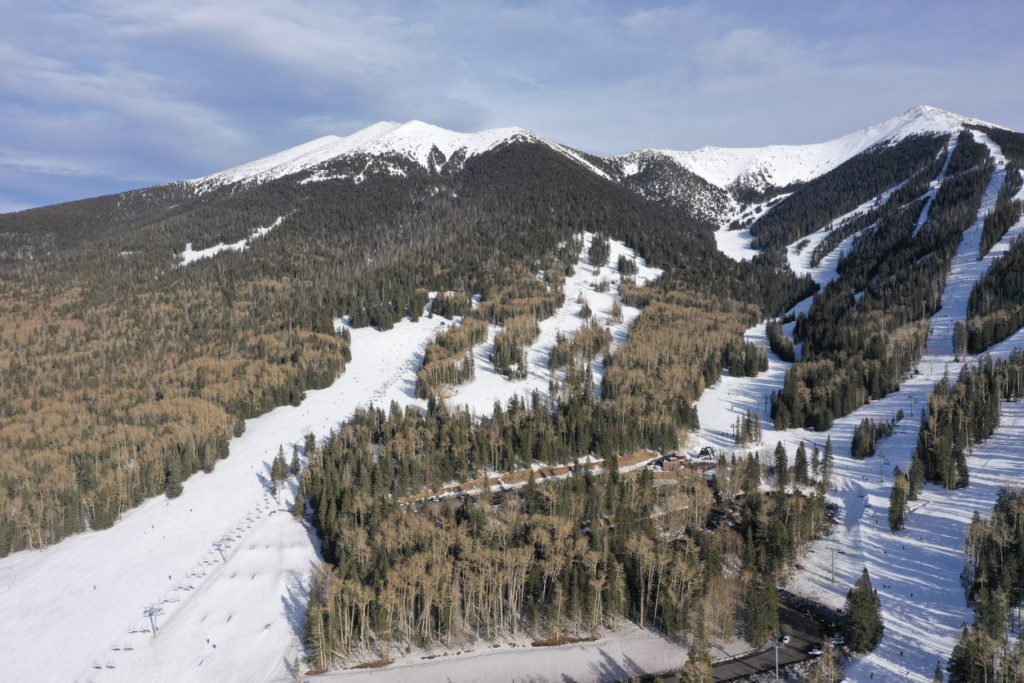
column 781, row 165
column 414, row 140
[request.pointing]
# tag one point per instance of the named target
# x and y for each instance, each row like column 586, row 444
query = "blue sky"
column 104, row 96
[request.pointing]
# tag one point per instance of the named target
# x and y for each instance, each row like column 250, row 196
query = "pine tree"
column 863, row 615
column 781, row 466
column 760, row 609
column 295, row 465
column 533, row 496
column 898, row 500
column 827, row 461
column 915, row 477
column 278, row 468
column 959, row 339
column 173, row 477
column 938, row 677
column 800, row 464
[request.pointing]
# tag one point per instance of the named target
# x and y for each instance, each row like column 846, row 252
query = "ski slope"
column 162, row 554
column 235, row 612
column 916, row 571
column 488, row 386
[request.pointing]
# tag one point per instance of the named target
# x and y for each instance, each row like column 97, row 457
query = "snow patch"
column 191, row 255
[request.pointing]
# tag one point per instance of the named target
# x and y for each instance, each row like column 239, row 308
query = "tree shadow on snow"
column 608, row 669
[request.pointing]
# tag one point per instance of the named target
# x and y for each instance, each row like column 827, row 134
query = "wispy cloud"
column 121, row 89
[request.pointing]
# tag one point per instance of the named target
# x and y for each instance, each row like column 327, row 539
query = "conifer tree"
column 826, row 466
column 781, row 466
column 863, row 615
column 173, row 477
column 295, row 465
column 915, row 477
column 800, row 464
column 761, row 609
column 898, row 500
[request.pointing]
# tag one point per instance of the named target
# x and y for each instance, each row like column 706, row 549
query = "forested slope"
column 123, row 372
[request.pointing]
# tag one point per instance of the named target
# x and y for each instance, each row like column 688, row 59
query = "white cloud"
column 183, row 88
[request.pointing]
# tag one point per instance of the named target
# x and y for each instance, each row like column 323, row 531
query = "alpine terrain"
column 414, row 404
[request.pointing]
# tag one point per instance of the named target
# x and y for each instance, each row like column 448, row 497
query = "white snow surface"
column 614, row 657
column 736, row 243
column 916, row 571
column 414, row 140
column 780, row 165
column 191, row 255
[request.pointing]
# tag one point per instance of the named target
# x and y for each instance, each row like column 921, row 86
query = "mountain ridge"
column 660, row 174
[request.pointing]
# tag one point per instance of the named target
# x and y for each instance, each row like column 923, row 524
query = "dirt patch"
column 563, row 640
column 379, row 664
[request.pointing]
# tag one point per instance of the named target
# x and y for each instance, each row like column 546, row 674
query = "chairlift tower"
column 153, row 611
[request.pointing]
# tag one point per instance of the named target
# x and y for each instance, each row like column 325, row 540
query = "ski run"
column 916, row 571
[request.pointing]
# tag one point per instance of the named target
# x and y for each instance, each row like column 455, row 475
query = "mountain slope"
column 758, row 168
column 430, row 147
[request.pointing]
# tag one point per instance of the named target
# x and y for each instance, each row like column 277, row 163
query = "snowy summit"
column 414, row 141
column 780, row 165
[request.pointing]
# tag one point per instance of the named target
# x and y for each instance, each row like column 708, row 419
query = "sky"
column 103, row 96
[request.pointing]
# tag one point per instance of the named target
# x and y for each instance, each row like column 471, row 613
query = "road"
column 804, row 633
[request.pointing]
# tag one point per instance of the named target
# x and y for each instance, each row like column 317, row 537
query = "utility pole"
column 153, row 611
column 778, row 645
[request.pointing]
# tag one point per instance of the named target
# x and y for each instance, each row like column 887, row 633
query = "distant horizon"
column 101, row 99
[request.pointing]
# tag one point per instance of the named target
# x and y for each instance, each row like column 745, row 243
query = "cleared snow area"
column 617, row 656
column 191, row 255
column 736, row 243
column 915, row 571
column 414, row 140
column 488, row 386
column 780, row 165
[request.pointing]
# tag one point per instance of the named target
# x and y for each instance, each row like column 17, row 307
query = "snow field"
column 916, row 571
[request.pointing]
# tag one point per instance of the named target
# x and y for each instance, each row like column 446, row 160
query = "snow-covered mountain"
column 781, row 165
column 424, row 144
column 706, row 180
